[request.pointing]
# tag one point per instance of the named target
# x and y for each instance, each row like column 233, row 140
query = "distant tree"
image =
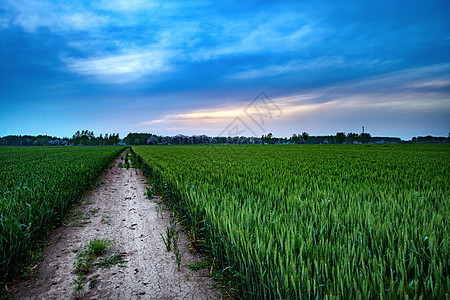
column 352, row 137
column 305, row 136
column 152, row 141
column 294, row 139
column 365, row 138
column 267, row 139
column 340, row 137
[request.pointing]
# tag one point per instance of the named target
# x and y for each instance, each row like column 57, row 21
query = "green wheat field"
column 282, row 221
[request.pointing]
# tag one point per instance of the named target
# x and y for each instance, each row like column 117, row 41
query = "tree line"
column 80, row 138
column 303, row 138
column 88, row 138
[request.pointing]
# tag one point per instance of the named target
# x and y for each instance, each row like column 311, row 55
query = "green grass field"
column 37, row 186
column 295, row 222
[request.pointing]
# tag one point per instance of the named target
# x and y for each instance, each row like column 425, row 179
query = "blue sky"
column 193, row 67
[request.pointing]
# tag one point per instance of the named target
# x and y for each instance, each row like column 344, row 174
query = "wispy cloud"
column 123, row 68
column 215, row 115
column 127, row 5
column 410, row 80
column 292, row 66
column 33, row 15
column 432, row 84
column 259, row 33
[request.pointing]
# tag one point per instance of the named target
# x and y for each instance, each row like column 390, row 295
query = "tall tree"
column 365, row 138
column 305, row 136
column 352, row 137
column 340, row 137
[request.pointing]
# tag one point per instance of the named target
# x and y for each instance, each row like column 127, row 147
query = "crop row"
column 37, row 187
column 294, row 222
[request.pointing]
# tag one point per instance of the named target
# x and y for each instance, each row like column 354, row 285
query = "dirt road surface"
column 118, row 211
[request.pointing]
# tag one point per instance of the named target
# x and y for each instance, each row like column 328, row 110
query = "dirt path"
column 118, row 210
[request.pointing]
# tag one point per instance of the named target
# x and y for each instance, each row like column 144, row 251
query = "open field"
column 315, row 221
column 38, row 185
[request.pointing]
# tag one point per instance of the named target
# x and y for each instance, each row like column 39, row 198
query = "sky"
column 225, row 67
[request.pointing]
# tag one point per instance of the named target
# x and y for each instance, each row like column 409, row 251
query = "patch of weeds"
column 86, row 260
column 168, row 239
column 149, row 193
column 77, row 215
column 120, row 165
column 83, row 263
column 79, row 283
column 78, row 223
column 92, row 283
column 127, row 163
column 135, row 161
column 178, row 255
column 170, row 233
column 201, row 264
column 195, row 243
column 93, row 211
column 97, row 246
column 112, row 259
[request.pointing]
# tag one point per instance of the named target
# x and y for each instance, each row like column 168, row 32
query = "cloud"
column 127, row 5
column 292, row 66
column 201, row 115
column 365, row 100
column 424, row 79
column 432, row 84
column 260, row 33
column 122, row 68
column 32, row 15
